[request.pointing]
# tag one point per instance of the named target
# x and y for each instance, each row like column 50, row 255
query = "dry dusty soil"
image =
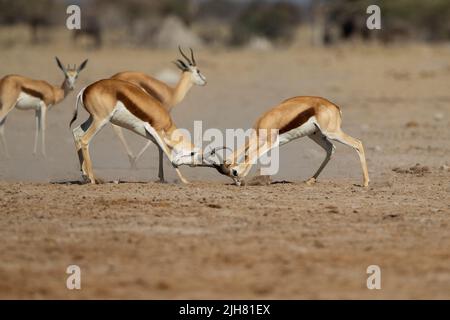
column 210, row 239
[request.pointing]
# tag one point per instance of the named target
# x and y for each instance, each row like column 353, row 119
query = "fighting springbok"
column 127, row 105
column 168, row 96
column 314, row 117
column 38, row 95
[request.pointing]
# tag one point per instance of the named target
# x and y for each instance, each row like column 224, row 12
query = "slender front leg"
column 258, row 147
column 162, row 146
column 161, row 169
column 2, row 137
column 139, row 155
column 43, row 127
column 7, row 103
column 183, row 179
column 161, row 165
column 38, row 121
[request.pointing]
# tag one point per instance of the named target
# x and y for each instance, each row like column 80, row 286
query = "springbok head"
column 189, row 65
column 224, row 166
column 71, row 73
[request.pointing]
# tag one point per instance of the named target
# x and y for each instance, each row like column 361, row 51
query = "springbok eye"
column 198, row 71
column 192, row 153
column 234, row 172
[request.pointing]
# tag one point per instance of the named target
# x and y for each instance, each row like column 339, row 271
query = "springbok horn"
column 60, row 65
column 221, row 167
column 213, row 151
column 221, row 162
column 184, row 56
column 192, row 57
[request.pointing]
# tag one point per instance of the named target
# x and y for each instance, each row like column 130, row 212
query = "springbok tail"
column 77, row 103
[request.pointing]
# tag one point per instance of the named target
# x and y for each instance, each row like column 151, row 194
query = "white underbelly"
column 125, row 119
column 306, row 129
column 28, row 102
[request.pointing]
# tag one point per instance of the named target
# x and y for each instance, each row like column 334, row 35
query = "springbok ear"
column 82, row 65
column 181, row 65
column 60, row 65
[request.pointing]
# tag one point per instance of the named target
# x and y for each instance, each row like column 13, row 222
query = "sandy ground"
column 209, row 239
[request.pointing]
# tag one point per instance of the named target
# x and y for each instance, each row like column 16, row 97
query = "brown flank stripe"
column 133, row 108
column 300, row 119
column 33, row 93
column 153, row 93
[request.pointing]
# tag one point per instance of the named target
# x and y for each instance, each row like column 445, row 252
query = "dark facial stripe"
column 300, row 119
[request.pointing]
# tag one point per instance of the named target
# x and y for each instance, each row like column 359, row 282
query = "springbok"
column 314, row 117
column 127, row 105
column 166, row 95
column 38, row 95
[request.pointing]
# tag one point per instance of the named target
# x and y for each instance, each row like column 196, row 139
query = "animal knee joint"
column 77, row 133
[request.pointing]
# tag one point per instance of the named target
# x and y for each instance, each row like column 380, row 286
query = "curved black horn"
column 213, row 151
column 184, row 56
column 82, row 65
column 221, row 167
column 60, row 65
column 192, row 57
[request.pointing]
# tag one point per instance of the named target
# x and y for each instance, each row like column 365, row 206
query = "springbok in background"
column 127, row 105
column 38, row 95
column 166, row 95
column 314, row 117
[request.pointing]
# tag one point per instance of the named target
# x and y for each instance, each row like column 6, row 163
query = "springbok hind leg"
column 90, row 129
column 344, row 138
column 78, row 133
column 322, row 141
column 119, row 133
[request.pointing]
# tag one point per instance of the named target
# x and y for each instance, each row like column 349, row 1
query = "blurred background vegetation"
column 253, row 23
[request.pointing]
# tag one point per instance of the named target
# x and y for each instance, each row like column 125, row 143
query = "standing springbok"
column 166, row 95
column 38, row 95
column 314, row 117
column 127, row 105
